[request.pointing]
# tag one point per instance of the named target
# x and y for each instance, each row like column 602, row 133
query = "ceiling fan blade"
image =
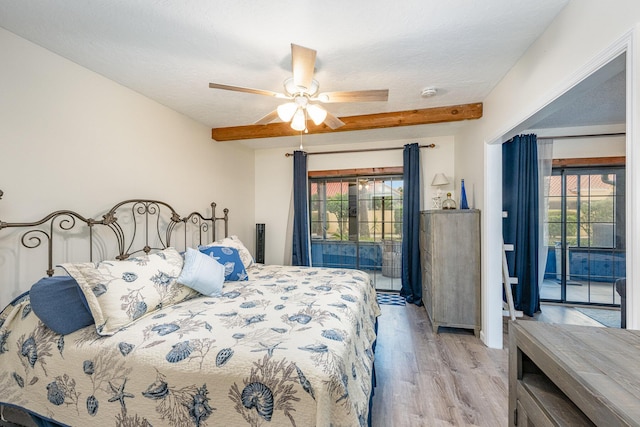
column 268, row 118
column 248, row 90
column 354, row 96
column 303, row 62
column 332, row 121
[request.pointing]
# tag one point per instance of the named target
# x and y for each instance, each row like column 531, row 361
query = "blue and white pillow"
column 202, row 273
column 236, row 243
column 230, row 258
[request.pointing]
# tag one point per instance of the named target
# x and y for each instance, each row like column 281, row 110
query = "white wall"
column 72, row 139
column 274, row 176
column 589, row 147
column 574, row 44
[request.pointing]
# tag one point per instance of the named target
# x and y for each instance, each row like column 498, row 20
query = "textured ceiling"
column 599, row 100
column 170, row 50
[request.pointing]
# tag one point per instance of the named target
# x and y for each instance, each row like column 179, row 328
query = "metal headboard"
column 139, row 225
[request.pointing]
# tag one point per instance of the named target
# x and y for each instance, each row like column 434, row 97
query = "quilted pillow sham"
column 230, row 258
column 120, row 292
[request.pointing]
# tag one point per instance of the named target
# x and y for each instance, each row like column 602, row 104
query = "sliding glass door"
column 356, row 222
column 586, row 236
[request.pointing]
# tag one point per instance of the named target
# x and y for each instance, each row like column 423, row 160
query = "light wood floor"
column 445, row 379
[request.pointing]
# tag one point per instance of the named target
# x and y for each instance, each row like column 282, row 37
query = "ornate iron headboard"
column 139, row 225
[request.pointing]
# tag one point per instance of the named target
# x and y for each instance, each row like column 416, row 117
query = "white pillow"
column 202, row 273
column 120, row 292
column 235, row 242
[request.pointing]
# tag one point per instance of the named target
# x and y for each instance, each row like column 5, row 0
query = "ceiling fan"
column 302, row 92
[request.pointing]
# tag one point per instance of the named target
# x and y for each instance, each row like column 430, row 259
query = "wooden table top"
column 597, row 368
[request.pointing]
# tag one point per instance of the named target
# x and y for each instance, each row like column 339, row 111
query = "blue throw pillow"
column 202, row 273
column 60, row 304
column 230, row 258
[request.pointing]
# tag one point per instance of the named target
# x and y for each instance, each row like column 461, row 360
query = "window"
column 356, row 222
column 586, row 239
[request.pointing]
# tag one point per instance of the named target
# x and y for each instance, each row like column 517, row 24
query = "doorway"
column 582, row 88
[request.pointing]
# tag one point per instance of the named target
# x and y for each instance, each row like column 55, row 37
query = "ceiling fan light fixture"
column 317, row 114
column 299, row 121
column 286, row 111
column 292, row 89
column 301, row 90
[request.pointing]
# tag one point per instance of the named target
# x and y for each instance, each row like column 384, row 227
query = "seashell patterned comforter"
column 290, row 347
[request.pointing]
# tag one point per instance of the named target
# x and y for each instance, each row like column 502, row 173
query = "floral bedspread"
column 290, row 347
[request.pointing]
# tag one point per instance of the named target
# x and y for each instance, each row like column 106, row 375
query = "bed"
column 277, row 345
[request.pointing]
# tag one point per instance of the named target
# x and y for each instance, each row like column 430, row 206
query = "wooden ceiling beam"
column 423, row 116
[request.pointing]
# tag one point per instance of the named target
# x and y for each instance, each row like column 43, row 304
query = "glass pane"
column 316, row 230
column 551, row 289
column 555, row 205
column 583, row 209
column 585, row 186
column 365, row 189
column 603, row 185
column 334, row 230
column 584, row 235
column 336, row 190
column 369, row 257
column 572, row 185
column 578, row 288
column 572, row 234
column 366, row 232
column 383, row 188
column 314, row 208
column 376, row 212
column 555, row 186
column 602, row 209
column 554, row 226
column 601, row 292
column 572, row 208
column 397, row 185
column 602, row 235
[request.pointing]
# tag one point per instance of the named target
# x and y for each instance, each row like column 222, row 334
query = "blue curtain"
column 521, row 227
column 300, row 249
column 411, row 273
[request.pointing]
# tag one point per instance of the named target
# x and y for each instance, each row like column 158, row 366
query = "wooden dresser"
column 450, row 258
column 566, row 375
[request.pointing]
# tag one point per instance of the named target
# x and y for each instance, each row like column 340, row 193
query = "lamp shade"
column 439, row 179
column 299, row 121
column 286, row 111
column 317, row 113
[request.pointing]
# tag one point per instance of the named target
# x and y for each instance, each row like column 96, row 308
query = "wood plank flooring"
column 427, row 379
column 445, row 379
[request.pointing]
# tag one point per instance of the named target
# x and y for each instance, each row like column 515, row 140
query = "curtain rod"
column 593, row 135
column 361, row 151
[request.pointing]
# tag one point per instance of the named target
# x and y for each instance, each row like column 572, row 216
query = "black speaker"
column 260, row 243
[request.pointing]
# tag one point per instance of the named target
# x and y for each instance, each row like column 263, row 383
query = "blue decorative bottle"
column 463, row 197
